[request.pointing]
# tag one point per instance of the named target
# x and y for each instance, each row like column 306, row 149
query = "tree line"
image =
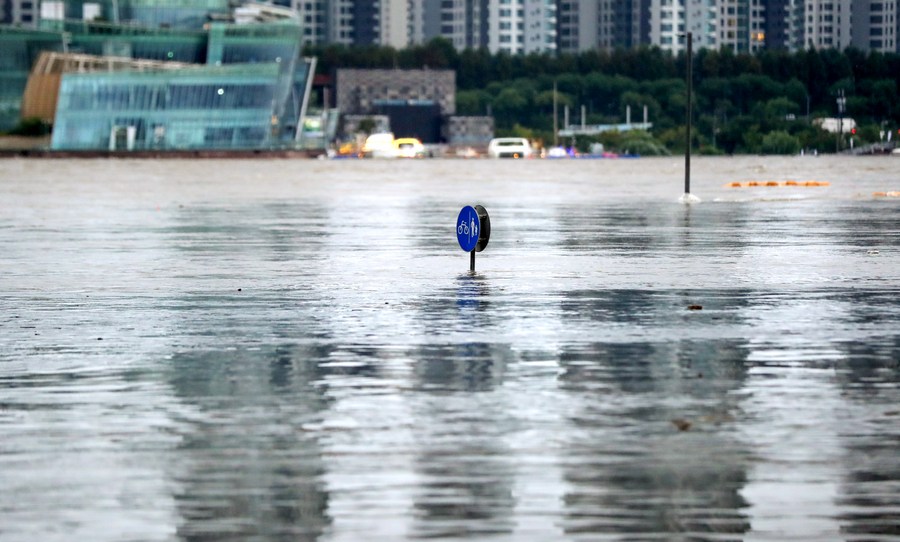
column 744, row 103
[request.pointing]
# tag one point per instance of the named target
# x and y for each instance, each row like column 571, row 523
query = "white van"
column 510, row 147
column 380, row 146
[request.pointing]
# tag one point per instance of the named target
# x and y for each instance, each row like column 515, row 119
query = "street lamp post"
column 842, row 106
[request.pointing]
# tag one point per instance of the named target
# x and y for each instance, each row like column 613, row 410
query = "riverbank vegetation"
column 743, row 103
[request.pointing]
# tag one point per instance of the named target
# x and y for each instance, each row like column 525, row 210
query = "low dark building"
column 415, row 101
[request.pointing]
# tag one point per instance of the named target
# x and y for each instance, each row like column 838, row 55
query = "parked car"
column 510, row 147
column 379, row 145
column 409, row 147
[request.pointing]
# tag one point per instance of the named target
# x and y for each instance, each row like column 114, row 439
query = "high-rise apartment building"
column 604, row 24
column 670, row 20
column 19, row 12
column 526, row 26
column 353, row 22
column 521, row 26
column 741, row 24
column 463, row 22
column 577, row 23
column 875, row 25
column 784, row 24
column 827, row 24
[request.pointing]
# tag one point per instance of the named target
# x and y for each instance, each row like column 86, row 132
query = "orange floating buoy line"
column 893, row 194
column 752, row 184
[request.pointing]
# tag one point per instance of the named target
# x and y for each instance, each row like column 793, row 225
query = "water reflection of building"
column 864, row 399
column 247, row 468
column 869, row 381
column 466, row 470
column 630, row 471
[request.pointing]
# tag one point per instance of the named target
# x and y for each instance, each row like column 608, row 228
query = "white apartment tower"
column 393, row 23
column 521, row 26
column 700, row 18
column 827, row 23
column 670, row 20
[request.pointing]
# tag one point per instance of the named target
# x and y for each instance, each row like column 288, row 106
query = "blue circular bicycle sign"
column 468, row 226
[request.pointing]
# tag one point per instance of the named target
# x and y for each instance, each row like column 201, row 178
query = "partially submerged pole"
column 555, row 119
column 687, row 197
column 690, row 90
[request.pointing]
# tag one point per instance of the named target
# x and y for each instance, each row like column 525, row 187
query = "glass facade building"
column 207, row 107
column 245, row 89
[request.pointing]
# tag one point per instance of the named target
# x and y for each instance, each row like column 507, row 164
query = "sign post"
column 473, row 231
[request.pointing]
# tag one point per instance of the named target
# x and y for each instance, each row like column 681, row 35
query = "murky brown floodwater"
column 295, row 350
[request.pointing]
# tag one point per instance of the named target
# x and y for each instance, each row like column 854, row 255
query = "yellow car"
column 409, row 147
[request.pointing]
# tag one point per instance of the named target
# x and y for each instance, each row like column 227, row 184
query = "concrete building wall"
column 579, row 24
column 875, row 25
column 469, row 130
column 359, row 90
column 827, row 24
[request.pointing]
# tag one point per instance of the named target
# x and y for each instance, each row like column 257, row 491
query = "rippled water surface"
column 295, row 350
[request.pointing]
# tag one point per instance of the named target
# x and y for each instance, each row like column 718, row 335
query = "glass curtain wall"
column 227, row 107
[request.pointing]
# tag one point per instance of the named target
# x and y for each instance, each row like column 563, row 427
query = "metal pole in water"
column 690, row 78
column 472, row 261
column 555, row 119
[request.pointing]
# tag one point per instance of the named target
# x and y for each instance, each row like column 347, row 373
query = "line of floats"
column 775, row 184
column 751, row 184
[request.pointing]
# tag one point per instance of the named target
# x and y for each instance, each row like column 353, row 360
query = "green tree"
column 509, row 106
column 367, row 125
column 472, row 102
column 780, row 142
column 642, row 143
column 780, row 108
column 31, row 127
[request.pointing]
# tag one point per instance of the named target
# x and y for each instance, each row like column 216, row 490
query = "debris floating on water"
column 681, row 424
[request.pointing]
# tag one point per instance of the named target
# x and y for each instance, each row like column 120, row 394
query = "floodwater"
column 296, row 350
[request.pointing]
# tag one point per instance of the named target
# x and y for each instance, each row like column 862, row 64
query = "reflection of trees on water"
column 869, row 376
column 249, row 468
column 467, row 471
